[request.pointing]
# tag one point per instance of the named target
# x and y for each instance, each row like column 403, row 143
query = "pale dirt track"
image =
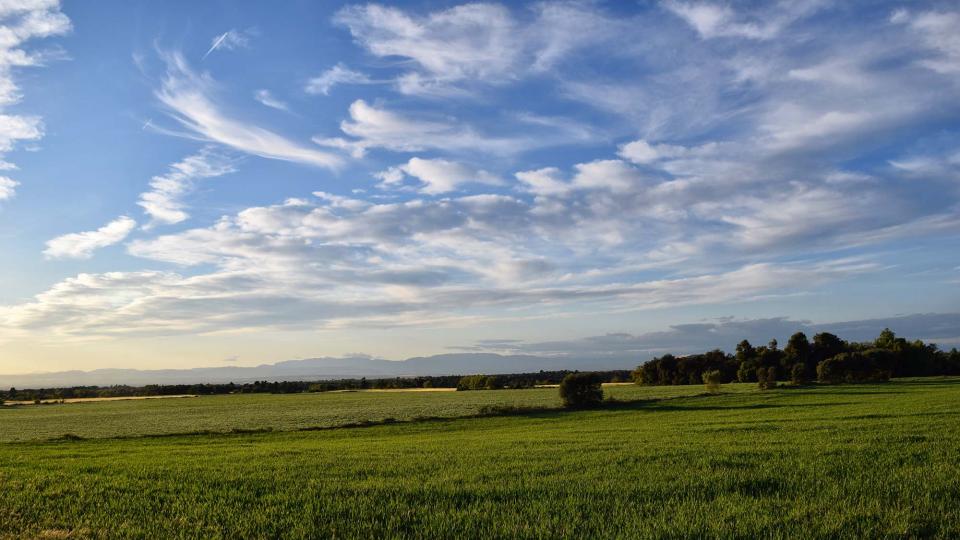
column 396, row 390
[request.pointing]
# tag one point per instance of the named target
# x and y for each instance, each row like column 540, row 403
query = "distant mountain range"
column 318, row 369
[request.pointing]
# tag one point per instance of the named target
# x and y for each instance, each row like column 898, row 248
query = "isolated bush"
column 578, row 390
column 712, row 380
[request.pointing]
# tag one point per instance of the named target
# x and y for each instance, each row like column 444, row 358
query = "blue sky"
column 190, row 183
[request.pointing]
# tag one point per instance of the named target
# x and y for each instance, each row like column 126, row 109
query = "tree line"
column 827, row 359
column 531, row 380
column 516, row 380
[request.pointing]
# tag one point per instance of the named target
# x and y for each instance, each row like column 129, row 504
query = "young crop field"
column 281, row 412
column 852, row 461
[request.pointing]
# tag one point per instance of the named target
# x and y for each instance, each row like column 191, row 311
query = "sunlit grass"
column 284, row 412
column 827, row 462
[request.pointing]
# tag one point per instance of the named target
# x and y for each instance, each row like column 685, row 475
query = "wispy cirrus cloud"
column 187, row 96
column 228, row 41
column 164, row 202
column 718, row 20
column 338, row 74
column 372, row 126
column 82, row 245
column 265, row 98
column 480, row 42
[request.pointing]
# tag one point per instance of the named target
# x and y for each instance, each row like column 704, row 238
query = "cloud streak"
column 228, row 41
column 82, row 245
column 187, row 97
column 164, row 202
column 337, row 75
column 265, row 98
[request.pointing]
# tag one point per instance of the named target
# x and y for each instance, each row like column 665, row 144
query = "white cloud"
column 610, row 174
column 228, row 41
column 187, row 96
column 375, row 127
column 266, row 99
column 715, row 20
column 20, row 22
column 338, row 261
column 642, row 152
column 791, row 127
column 438, row 175
column 82, row 245
column 338, row 74
column 938, row 31
column 163, row 203
column 8, row 188
column 546, row 181
column 478, row 42
column 599, row 175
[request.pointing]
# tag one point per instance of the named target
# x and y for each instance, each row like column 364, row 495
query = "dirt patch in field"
column 96, row 399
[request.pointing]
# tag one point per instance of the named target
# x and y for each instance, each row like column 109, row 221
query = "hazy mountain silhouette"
column 316, row 369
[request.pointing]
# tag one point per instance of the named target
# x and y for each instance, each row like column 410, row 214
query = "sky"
column 218, row 183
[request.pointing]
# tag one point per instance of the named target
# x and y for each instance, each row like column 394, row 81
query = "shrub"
column 712, row 380
column 578, row 390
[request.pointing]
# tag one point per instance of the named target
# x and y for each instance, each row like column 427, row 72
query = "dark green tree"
column 797, row 350
column 579, row 390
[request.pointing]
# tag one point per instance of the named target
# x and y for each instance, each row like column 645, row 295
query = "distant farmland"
column 824, row 462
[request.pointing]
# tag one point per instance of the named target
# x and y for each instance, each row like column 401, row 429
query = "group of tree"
column 517, row 380
column 827, row 359
column 531, row 380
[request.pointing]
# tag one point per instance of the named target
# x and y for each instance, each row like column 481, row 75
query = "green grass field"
column 875, row 461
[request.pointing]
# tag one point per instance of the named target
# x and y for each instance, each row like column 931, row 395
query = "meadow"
column 848, row 461
column 281, row 412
